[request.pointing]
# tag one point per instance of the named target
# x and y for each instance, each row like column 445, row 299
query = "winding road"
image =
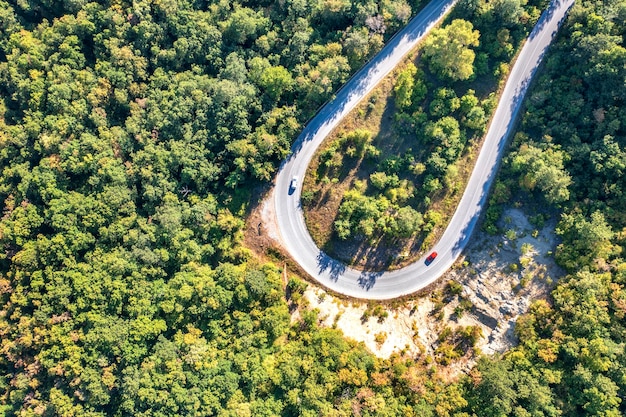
column 391, row 284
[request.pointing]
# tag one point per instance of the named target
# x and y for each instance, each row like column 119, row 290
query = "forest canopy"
column 131, row 136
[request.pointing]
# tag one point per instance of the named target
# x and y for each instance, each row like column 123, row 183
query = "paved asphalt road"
column 385, row 285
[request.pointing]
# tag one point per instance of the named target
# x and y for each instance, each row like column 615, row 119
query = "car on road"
column 293, row 184
column 430, row 258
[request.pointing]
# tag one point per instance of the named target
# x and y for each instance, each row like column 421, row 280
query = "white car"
column 293, row 184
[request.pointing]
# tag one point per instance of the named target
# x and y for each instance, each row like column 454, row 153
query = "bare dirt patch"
column 261, row 232
column 499, row 275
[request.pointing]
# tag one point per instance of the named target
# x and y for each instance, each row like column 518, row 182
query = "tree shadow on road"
column 326, row 263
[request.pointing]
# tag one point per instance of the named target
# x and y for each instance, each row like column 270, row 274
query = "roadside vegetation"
column 569, row 156
column 131, row 137
column 384, row 186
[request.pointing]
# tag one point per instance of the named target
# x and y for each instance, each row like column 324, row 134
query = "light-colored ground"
column 498, row 277
column 406, row 329
column 499, row 293
column 268, row 216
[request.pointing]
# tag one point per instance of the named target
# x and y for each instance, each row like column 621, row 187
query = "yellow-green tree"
column 448, row 50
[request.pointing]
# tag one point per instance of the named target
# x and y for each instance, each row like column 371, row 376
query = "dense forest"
column 569, row 155
column 131, row 135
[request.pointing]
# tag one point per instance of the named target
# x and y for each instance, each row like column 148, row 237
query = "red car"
column 430, row 258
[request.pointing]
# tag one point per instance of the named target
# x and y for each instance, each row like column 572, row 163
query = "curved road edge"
column 386, row 285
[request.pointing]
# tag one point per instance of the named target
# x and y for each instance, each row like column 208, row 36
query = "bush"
column 454, row 288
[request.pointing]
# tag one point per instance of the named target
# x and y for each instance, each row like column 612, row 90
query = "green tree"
column 357, row 45
column 446, row 135
column 448, row 50
column 508, row 11
column 276, row 81
column 381, row 180
column 543, row 169
column 586, row 238
column 505, row 388
column 476, row 119
column 408, row 222
column 244, row 24
column 404, row 86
